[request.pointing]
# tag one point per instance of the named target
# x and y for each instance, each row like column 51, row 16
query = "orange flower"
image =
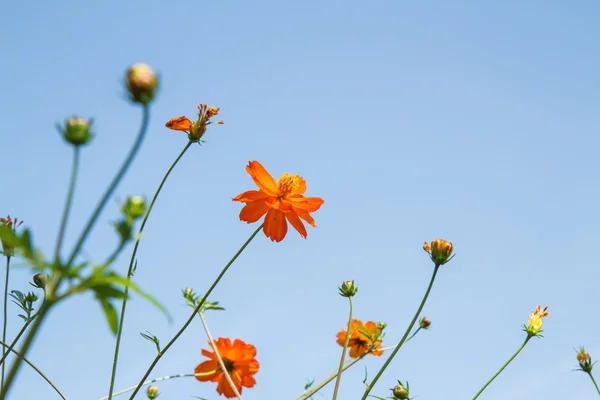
column 280, row 201
column 362, row 338
column 239, row 361
column 197, row 129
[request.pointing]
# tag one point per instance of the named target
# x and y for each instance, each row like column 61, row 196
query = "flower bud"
column 439, row 250
column 40, row 280
column 141, row 83
column 77, row 130
column 585, row 361
column 535, row 321
column 348, row 289
column 134, row 207
column 400, row 391
column 188, row 294
column 381, row 326
column 31, row 297
column 13, row 224
column 425, row 323
column 152, row 392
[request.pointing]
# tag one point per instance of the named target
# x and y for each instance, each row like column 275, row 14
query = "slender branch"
column 503, row 367
column 16, row 339
column 113, row 185
column 68, row 204
column 594, row 381
column 130, row 270
column 341, row 367
column 36, row 370
column 164, row 378
column 219, row 358
column 5, row 313
column 403, row 340
column 198, row 308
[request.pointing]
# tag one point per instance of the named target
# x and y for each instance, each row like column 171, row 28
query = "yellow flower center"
column 288, row 184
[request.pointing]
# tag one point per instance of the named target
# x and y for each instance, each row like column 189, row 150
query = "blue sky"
column 476, row 122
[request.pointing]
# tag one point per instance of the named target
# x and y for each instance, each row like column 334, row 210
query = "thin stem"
column 594, row 381
column 198, row 308
column 413, row 335
column 414, row 320
column 219, row 358
column 68, row 203
column 16, row 339
column 113, row 185
column 164, row 378
column 36, row 370
column 130, row 270
column 5, row 316
column 503, row 367
column 341, row 367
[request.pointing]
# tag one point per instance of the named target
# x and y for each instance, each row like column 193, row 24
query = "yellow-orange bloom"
column 282, row 202
column 535, row 321
column 239, row 361
column 197, row 129
column 362, row 338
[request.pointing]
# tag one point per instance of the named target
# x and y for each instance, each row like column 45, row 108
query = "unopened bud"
column 348, row 289
column 152, row 392
column 585, row 361
column 31, row 297
column 141, row 83
column 439, row 250
column 77, row 130
column 400, row 391
column 134, row 207
column 40, row 280
column 425, row 323
column 188, row 294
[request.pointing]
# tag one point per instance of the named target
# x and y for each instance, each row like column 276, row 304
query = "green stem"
column 164, row 378
column 113, row 185
column 130, row 270
column 413, row 335
column 5, row 316
column 414, row 320
column 219, row 358
column 594, row 381
column 16, row 339
column 35, row 369
column 503, row 367
column 68, row 203
column 196, row 310
column 341, row 367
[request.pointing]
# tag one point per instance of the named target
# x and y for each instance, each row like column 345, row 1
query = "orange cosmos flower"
column 282, row 202
column 197, row 129
column 362, row 338
column 239, row 361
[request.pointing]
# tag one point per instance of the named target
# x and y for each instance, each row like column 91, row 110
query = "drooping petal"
column 305, row 216
column 262, row 178
column 293, row 219
column 275, row 225
column 203, row 368
column 179, row 124
column 310, row 204
column 250, row 195
column 253, row 211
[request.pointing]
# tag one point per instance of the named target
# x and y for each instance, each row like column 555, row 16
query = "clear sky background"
column 476, row 122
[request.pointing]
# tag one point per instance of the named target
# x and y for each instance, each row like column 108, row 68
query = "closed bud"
column 152, row 392
column 400, row 391
column 76, row 130
column 439, row 250
column 134, row 207
column 40, row 280
column 188, row 294
column 425, row 323
column 585, row 361
column 141, row 83
column 348, row 289
column 11, row 223
column 381, row 325
column 31, row 297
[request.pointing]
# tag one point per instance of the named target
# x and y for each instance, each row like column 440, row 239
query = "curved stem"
column 341, row 367
column 198, row 308
column 414, row 320
column 68, row 203
column 36, row 370
column 5, row 313
column 113, row 185
column 164, row 378
column 16, row 339
column 219, row 358
column 594, row 381
column 130, row 270
column 413, row 335
column 503, row 367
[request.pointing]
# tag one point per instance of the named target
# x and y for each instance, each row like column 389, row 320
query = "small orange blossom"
column 281, row 201
column 197, row 129
column 362, row 338
column 239, row 361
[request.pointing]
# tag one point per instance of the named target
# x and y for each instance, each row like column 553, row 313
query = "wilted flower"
column 280, row 201
column 239, row 360
column 439, row 250
column 195, row 130
column 535, row 321
column 141, row 83
column 362, row 338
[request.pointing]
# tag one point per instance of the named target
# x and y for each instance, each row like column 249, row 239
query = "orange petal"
column 206, row 366
column 253, row 211
column 310, row 204
column 248, row 381
column 305, row 216
column 250, row 195
column 302, row 186
column 341, row 337
column 292, row 217
column 179, row 124
column 275, row 225
column 262, row 178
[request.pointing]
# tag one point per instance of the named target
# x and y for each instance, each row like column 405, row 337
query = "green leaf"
column 113, row 278
column 107, row 291
column 110, row 313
